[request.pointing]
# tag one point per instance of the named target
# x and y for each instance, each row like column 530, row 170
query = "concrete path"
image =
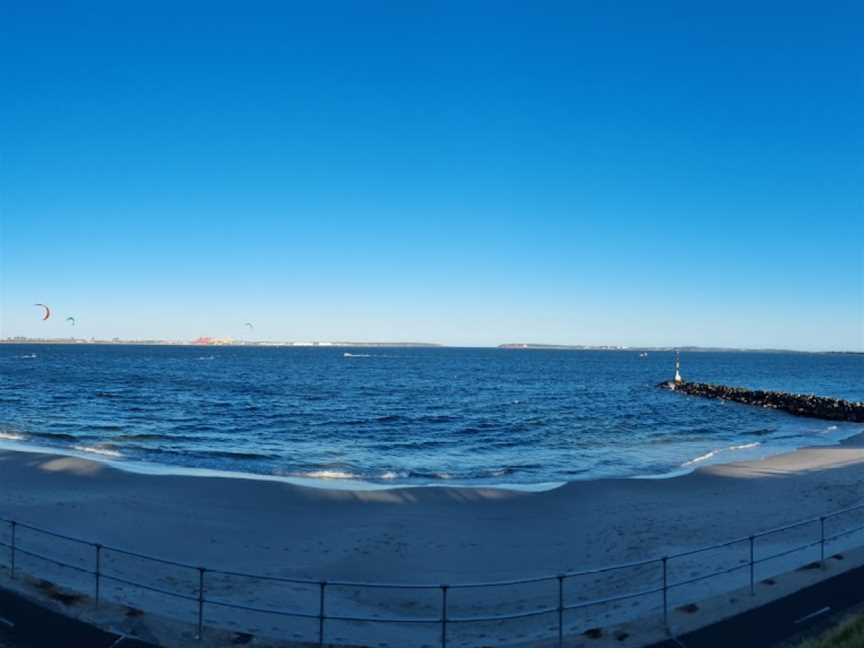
column 24, row 624
column 786, row 621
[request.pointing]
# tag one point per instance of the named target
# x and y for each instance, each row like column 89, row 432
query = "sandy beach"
column 432, row 535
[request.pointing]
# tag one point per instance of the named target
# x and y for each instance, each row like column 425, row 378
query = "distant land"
column 212, row 341
column 688, row 349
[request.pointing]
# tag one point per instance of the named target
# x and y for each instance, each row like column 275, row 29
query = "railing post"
column 98, row 569
column 444, row 589
column 323, row 585
column 12, row 551
column 752, row 566
column 666, row 592
column 200, row 603
column 560, row 611
column 822, row 539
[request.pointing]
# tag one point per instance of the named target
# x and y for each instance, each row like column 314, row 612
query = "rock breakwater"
column 832, row 409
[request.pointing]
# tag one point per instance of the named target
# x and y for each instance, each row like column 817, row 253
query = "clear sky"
column 464, row 173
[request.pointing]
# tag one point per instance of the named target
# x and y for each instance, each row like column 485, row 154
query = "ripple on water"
column 418, row 416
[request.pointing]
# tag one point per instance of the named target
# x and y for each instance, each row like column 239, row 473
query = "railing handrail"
column 199, row 595
column 382, row 584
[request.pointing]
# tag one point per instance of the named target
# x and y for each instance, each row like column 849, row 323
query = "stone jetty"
column 832, row 409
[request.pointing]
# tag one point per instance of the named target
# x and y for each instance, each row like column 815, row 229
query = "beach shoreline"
column 18, row 443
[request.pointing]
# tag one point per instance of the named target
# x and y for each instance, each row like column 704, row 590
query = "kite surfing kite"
column 47, row 312
column 249, row 326
column 72, row 320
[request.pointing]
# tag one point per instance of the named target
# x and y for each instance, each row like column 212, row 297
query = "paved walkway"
column 26, row 625
column 810, row 611
column 784, row 622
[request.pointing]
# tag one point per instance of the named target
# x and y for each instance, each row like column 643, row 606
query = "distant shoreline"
column 406, row 345
column 683, row 349
column 234, row 343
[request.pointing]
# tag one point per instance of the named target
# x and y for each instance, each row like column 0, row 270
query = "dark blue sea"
column 400, row 416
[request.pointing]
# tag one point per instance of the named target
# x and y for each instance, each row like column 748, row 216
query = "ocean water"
column 410, row 416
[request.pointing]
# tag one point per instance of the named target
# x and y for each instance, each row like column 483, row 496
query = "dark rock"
column 832, row 409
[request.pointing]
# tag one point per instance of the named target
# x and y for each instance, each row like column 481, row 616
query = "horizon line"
column 507, row 346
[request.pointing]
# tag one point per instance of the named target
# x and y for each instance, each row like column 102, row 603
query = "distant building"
column 211, row 341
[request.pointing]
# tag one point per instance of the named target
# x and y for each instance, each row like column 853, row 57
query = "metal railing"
column 321, row 614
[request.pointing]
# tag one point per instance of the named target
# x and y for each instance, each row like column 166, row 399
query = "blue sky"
column 464, row 173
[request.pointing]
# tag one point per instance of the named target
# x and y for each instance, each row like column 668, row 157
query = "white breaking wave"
column 107, row 452
column 328, row 474
column 707, row 455
column 11, row 436
column 356, row 355
column 712, row 453
column 744, row 446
